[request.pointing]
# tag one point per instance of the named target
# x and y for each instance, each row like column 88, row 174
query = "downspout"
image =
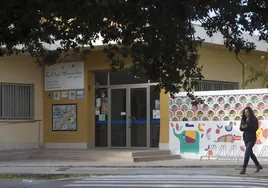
column 243, row 71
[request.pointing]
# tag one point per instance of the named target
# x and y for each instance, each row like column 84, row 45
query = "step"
column 87, row 153
column 151, row 153
column 89, row 159
column 156, row 158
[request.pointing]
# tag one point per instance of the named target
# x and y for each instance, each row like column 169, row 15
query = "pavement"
column 137, row 181
column 58, row 168
column 172, row 173
column 174, row 181
column 157, row 164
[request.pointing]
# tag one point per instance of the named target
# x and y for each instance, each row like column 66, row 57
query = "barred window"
column 16, row 101
column 210, row 85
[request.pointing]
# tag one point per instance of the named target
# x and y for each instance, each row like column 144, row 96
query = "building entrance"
column 128, row 122
column 131, row 119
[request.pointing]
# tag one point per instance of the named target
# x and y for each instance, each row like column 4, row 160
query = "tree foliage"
column 256, row 73
column 158, row 35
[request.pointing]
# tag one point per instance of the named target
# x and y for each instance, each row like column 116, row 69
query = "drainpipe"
column 243, row 71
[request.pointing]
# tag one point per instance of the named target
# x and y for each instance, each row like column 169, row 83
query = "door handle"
column 130, row 121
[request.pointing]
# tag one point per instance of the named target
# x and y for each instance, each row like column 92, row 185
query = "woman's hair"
column 250, row 111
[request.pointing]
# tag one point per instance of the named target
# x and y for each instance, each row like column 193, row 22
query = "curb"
column 130, row 166
column 73, row 176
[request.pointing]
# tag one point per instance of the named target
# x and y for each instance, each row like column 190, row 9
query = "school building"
column 79, row 104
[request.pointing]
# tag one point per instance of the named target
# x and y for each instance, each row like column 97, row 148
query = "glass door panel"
column 118, row 118
column 101, row 116
column 138, row 117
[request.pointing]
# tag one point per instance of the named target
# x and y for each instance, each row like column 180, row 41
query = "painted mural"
column 212, row 129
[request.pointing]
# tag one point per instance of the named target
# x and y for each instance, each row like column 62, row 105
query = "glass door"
column 128, row 125
column 138, row 117
column 118, row 122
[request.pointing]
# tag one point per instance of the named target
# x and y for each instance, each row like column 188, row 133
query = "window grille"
column 16, row 101
column 209, row 85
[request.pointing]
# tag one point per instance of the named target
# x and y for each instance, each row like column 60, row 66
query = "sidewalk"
column 55, row 169
column 180, row 163
column 45, row 169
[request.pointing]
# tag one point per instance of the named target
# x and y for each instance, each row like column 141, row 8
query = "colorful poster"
column 80, row 94
column 64, row 117
column 64, row 94
column 104, row 108
column 56, row 96
column 72, row 95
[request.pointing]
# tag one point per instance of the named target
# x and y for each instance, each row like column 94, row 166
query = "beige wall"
column 21, row 69
column 221, row 65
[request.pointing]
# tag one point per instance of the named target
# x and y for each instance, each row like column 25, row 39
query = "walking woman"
column 249, row 126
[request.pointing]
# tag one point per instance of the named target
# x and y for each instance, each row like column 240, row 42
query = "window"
column 16, row 101
column 209, row 85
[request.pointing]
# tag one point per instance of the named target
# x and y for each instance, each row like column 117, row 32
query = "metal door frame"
column 128, row 113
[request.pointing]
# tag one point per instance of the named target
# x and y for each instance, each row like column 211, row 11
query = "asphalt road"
column 150, row 178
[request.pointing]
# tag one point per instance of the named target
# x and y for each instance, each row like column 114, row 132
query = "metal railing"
column 233, row 152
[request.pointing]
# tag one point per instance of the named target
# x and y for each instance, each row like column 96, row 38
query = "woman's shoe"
column 259, row 167
column 243, row 171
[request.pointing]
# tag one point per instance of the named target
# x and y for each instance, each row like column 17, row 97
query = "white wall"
column 219, row 134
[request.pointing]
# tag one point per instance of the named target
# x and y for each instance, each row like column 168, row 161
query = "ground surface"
column 150, row 177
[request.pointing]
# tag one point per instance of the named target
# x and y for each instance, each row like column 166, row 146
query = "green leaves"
column 156, row 35
column 256, row 73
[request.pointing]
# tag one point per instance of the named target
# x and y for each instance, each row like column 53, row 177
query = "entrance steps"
column 108, row 155
column 153, row 155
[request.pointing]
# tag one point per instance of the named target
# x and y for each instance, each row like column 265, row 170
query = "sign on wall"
column 64, row 76
column 212, row 129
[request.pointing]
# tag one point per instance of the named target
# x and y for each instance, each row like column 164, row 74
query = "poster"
column 157, row 104
column 80, row 94
column 64, row 94
column 156, row 114
column 56, row 96
column 72, row 95
column 97, row 111
column 98, row 102
column 104, row 108
column 104, row 102
column 64, row 117
column 102, row 117
column 104, row 96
